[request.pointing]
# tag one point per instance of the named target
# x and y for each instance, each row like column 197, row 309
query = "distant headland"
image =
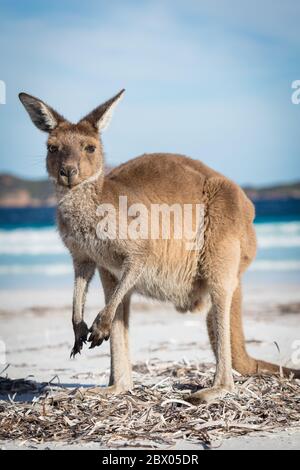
column 18, row 192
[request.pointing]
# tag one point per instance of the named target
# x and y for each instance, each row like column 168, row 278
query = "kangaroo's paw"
column 210, row 395
column 100, row 330
column 81, row 333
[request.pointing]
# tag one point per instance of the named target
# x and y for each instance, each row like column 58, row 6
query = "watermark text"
column 2, row 353
column 2, row 92
column 183, row 222
column 296, row 94
column 296, row 354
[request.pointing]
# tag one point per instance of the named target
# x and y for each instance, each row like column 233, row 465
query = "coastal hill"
column 18, row 192
column 278, row 192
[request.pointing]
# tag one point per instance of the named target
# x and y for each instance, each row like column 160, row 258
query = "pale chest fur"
column 78, row 225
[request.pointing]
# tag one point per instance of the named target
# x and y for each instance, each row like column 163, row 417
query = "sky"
column 211, row 79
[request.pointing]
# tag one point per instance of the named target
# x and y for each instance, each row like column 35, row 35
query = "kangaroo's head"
column 74, row 150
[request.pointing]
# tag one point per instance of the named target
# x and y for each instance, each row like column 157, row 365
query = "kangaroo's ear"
column 101, row 116
column 44, row 117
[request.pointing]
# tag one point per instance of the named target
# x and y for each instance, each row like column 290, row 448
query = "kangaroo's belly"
column 185, row 294
column 165, row 287
column 166, row 282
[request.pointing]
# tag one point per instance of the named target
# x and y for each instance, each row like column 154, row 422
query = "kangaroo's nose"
column 68, row 171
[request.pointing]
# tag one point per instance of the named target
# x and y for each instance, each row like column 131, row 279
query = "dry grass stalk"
column 152, row 415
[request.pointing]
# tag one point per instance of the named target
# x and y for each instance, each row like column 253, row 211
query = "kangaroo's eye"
column 52, row 148
column 90, row 149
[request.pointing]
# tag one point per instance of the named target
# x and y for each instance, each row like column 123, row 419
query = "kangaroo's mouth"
column 68, row 184
column 76, row 180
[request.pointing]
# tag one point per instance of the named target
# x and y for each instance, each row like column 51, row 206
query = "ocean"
column 33, row 256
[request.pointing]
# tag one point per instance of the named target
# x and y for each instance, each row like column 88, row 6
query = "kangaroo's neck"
column 77, row 207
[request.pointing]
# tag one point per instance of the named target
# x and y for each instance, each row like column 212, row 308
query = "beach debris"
column 155, row 414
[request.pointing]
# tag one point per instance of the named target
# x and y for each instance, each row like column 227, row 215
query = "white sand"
column 37, row 332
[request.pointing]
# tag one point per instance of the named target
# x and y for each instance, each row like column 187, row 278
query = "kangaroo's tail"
column 241, row 361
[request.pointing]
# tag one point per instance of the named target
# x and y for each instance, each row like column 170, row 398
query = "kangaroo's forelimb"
column 101, row 327
column 84, row 272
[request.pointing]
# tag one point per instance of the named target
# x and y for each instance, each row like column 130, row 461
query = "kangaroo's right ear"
column 44, row 117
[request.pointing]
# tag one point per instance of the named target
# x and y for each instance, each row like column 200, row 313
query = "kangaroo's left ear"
column 101, row 116
column 42, row 115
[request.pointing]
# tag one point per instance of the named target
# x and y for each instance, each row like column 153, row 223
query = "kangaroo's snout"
column 68, row 175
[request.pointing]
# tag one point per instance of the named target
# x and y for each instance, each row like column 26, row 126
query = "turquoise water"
column 32, row 255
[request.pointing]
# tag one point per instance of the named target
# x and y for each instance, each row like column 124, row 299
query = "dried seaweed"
column 155, row 413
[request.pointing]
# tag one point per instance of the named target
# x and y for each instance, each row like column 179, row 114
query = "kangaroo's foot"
column 100, row 329
column 81, row 333
column 210, row 395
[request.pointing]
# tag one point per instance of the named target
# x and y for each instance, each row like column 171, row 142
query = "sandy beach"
column 36, row 329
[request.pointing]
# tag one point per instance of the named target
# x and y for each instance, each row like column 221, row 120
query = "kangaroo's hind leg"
column 121, row 369
column 221, row 284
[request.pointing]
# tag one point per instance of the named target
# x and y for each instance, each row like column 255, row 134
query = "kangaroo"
column 205, row 279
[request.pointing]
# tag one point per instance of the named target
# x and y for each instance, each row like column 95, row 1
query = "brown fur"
column 204, row 279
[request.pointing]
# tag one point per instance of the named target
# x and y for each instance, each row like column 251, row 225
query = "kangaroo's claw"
column 81, row 333
column 100, row 331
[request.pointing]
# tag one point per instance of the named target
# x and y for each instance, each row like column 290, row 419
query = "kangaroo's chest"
column 78, row 227
column 85, row 244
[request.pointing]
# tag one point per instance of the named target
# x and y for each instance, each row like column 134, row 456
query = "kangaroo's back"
column 177, row 179
column 150, row 170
